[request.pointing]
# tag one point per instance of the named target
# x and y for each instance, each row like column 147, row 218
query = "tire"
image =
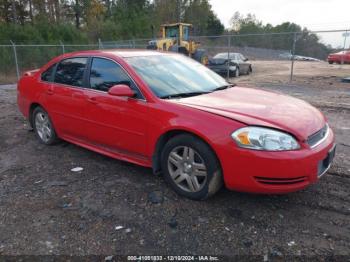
column 183, row 50
column 151, row 47
column 330, row 62
column 201, row 56
column 236, row 72
column 43, row 127
column 250, row 70
column 192, row 163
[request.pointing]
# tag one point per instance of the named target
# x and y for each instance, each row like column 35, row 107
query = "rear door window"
column 105, row 73
column 71, row 71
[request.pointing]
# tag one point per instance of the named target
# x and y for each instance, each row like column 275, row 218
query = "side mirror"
column 121, row 90
column 246, row 59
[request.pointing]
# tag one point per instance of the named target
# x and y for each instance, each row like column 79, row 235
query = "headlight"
column 260, row 138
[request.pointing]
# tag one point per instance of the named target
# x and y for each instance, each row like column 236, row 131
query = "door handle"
column 77, row 95
column 92, row 100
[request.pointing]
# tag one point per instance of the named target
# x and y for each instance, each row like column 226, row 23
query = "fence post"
column 99, row 44
column 228, row 57
column 16, row 60
column 293, row 54
column 63, row 49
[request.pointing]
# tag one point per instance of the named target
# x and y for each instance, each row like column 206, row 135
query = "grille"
column 281, row 181
column 318, row 137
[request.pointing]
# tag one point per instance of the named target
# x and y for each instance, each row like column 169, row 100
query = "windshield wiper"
column 223, row 87
column 188, row 94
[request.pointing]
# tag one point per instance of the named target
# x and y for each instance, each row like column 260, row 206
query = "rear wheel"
column 190, row 167
column 43, row 127
column 330, row 62
column 151, row 47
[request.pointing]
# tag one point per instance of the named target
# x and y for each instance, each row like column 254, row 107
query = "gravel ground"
column 112, row 207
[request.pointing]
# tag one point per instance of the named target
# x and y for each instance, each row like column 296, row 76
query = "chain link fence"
column 273, row 56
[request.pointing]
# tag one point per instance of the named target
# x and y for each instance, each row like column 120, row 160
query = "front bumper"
column 222, row 69
column 275, row 172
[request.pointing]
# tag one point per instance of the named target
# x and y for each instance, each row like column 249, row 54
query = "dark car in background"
column 237, row 66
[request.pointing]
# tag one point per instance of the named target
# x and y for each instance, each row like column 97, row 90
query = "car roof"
column 117, row 52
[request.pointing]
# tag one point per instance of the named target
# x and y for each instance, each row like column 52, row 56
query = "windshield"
column 171, row 75
column 171, row 32
column 224, row 56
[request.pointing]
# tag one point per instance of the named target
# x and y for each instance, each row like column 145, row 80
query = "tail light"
column 31, row 72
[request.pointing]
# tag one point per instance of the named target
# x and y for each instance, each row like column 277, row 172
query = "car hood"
column 262, row 108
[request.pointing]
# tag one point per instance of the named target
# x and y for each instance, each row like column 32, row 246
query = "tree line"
column 280, row 37
column 85, row 21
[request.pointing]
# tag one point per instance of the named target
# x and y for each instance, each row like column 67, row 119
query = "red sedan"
column 342, row 57
column 168, row 112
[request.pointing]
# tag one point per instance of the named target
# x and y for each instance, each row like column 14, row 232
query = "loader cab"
column 171, row 32
column 180, row 31
column 185, row 33
column 176, row 37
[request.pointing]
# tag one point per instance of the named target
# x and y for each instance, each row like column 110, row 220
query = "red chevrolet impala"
column 168, row 112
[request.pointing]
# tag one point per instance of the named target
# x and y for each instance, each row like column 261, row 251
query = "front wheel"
column 190, row 167
column 201, row 56
column 237, row 72
column 43, row 127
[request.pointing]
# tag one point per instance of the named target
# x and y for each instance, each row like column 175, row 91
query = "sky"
column 314, row 14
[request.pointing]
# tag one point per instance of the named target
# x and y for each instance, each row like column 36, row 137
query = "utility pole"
column 14, row 12
column 178, row 8
column 77, row 14
column 345, row 35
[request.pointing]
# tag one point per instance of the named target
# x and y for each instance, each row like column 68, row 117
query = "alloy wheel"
column 43, row 126
column 187, row 169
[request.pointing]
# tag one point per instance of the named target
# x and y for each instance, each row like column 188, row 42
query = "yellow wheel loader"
column 176, row 38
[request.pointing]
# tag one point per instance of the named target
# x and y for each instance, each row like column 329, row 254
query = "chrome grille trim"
column 281, row 181
column 318, row 137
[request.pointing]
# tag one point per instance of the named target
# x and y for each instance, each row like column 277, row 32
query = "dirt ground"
column 45, row 208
